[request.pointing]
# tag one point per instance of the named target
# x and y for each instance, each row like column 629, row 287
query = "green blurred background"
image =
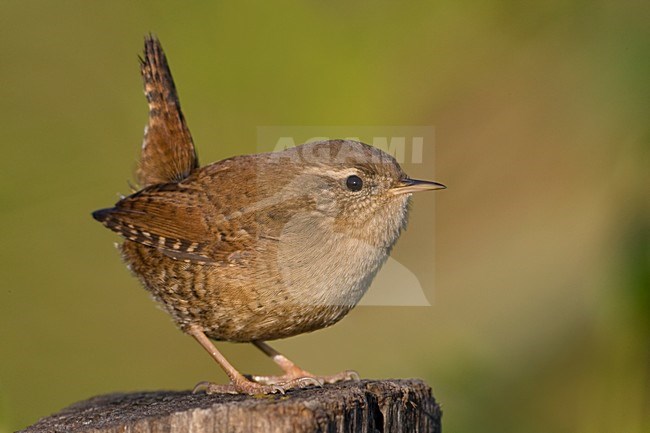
column 540, row 299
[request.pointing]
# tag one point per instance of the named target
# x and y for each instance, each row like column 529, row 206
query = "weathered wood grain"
column 365, row 406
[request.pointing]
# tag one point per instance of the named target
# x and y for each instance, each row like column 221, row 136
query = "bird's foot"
column 251, row 387
column 306, row 378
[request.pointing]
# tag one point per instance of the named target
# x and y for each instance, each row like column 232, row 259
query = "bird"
column 255, row 247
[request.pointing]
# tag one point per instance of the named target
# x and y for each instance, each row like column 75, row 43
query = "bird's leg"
column 238, row 383
column 292, row 372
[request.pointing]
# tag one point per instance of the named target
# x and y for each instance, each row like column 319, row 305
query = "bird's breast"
column 320, row 265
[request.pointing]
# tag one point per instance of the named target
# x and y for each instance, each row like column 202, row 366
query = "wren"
column 255, row 247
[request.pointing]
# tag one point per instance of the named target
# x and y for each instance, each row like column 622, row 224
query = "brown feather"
column 168, row 153
column 194, row 221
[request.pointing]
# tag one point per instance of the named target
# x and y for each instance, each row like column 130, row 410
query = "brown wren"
column 255, row 247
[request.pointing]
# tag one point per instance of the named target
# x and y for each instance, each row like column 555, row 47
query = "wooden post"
column 366, row 406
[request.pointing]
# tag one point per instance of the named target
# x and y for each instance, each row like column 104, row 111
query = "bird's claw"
column 240, row 387
column 255, row 385
column 304, row 379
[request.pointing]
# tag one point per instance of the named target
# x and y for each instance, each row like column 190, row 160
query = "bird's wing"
column 168, row 153
column 181, row 222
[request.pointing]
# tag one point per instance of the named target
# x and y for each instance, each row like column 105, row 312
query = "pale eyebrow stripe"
column 344, row 172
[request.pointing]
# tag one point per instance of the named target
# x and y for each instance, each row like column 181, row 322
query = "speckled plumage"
column 261, row 247
column 255, row 247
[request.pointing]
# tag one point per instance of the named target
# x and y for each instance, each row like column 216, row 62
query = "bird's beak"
column 407, row 186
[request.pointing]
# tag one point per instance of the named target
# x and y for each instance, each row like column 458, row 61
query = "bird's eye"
column 354, row 183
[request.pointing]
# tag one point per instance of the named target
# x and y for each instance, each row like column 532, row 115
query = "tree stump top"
column 365, row 406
